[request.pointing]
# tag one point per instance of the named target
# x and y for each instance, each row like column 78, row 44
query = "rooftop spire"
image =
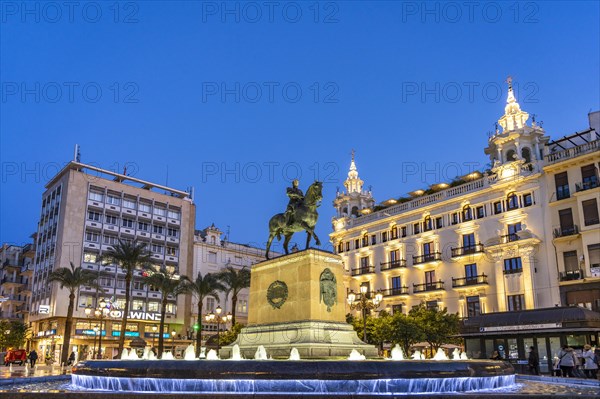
column 353, row 183
column 513, row 117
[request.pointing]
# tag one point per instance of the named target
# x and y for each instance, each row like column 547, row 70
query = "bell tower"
column 354, row 199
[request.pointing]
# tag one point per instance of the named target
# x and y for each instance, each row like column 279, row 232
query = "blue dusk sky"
column 238, row 98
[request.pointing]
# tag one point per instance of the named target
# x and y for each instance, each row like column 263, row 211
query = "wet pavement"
column 19, row 374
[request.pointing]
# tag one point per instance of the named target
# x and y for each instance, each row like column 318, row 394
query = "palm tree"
column 71, row 278
column 129, row 255
column 201, row 288
column 168, row 284
column 234, row 281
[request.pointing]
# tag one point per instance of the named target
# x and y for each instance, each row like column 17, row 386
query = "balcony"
column 469, row 281
column 394, row 264
column 572, row 152
column 566, row 231
column 396, row 291
column 571, row 275
column 510, row 238
column 470, row 250
column 512, row 271
column 427, row 287
column 363, row 270
column 586, row 185
column 427, row 258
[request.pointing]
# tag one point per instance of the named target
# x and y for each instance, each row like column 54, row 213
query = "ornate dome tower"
column 351, row 202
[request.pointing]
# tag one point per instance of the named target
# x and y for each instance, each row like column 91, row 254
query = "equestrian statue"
column 301, row 214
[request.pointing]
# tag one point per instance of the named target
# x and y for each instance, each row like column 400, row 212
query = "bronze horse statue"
column 304, row 217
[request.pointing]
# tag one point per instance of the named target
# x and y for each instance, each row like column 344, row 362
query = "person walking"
column 590, row 366
column 33, row 357
column 534, row 361
column 71, row 359
column 568, row 361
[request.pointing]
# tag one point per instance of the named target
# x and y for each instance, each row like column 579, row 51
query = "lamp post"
column 154, row 329
column 220, row 319
column 100, row 313
column 173, row 340
column 364, row 303
column 96, row 329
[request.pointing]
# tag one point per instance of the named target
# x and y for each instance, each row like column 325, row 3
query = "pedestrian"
column 591, row 362
column 496, row 356
column 568, row 361
column 33, row 357
column 534, row 361
column 71, row 359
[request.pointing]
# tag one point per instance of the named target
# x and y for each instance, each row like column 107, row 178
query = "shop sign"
column 46, row 333
column 118, row 314
column 44, row 309
column 155, row 335
column 127, row 334
column 521, row 327
column 89, row 332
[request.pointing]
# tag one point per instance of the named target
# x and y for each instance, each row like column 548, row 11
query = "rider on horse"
column 296, row 198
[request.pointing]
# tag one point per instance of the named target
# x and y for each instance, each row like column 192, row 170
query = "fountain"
column 133, row 355
column 235, row 353
column 356, row 355
column 294, row 354
column 456, row 354
column 212, row 355
column 463, row 356
column 397, row 353
column 190, row 353
column 125, row 354
column 418, row 355
column 261, row 353
column 167, row 356
column 440, row 355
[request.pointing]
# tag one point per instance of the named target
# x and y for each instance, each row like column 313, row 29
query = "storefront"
column 512, row 333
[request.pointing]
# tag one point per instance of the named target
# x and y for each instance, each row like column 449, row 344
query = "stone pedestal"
column 298, row 301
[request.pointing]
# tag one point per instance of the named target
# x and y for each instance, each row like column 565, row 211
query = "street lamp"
column 173, row 340
column 154, row 329
column 100, row 313
column 220, row 319
column 364, row 303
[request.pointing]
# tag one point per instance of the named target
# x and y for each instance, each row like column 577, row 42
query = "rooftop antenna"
column 77, row 154
column 227, row 233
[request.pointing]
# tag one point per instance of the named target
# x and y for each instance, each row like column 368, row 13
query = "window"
column 427, row 247
column 153, row 307
column 497, row 207
column 96, row 196
column 95, row 216
column 121, row 284
column 471, row 272
column 473, row 307
column 85, row 301
column 174, row 214
column 143, row 226
column 384, row 236
column 396, row 283
column 171, row 308
column 512, row 265
column 110, row 219
column 454, row 218
column 467, row 213
column 512, row 201
column 110, row 240
column 403, row 228
column 468, row 240
column 172, row 232
column 561, row 181
column 590, row 212
column 394, row 255
column 427, row 225
column 589, row 177
column 238, row 260
column 364, row 262
column 397, row 308
column 129, row 204
column 145, row 207
column 356, row 243
column 365, row 240
column 348, row 246
column 527, row 200
column 373, row 239
column 137, row 305
column 515, row 302
column 513, row 229
column 242, row 306
column 416, row 228
column 90, row 257
column 92, row 237
column 160, row 211
column 439, row 222
column 210, row 304
column 128, row 223
column 111, row 199
column 432, row 305
column 594, row 255
column 105, row 281
column 526, row 154
column 212, row 257
column 565, row 217
column 480, row 211
column 340, row 248
column 430, row 277
column 171, row 251
column 394, row 232
column 571, row 262
column 157, row 229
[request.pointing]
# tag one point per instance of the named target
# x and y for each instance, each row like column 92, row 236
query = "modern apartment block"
column 85, row 210
column 212, row 253
column 522, row 235
column 16, row 271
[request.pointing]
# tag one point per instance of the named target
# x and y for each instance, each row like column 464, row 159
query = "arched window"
column 354, row 211
column 427, row 223
column 344, row 211
column 512, row 201
column 510, row 155
column 467, row 213
column 526, row 154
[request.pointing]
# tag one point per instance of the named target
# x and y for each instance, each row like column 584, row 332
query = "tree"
column 72, row 279
column 168, row 284
column 15, row 338
column 129, row 255
column 229, row 336
column 405, row 331
column 437, row 326
column 201, row 288
column 234, row 280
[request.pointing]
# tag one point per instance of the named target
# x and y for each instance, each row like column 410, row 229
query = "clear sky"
column 238, row 98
